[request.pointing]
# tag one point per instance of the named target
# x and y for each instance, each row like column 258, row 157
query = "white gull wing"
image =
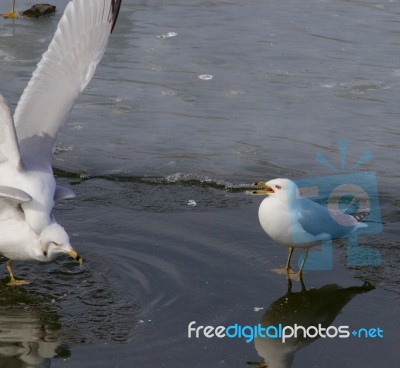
column 63, row 193
column 10, row 199
column 14, row 194
column 64, row 71
column 9, row 151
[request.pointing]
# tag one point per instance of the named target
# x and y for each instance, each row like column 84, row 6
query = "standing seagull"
column 12, row 14
column 298, row 222
column 28, row 191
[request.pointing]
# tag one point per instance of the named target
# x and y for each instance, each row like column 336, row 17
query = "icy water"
column 194, row 101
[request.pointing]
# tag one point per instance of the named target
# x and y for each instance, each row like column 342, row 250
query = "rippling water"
column 193, row 102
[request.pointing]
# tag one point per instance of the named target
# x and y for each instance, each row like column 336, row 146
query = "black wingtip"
column 114, row 11
column 362, row 214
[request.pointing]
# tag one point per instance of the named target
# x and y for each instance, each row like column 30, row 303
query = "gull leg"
column 305, row 255
column 303, row 286
column 12, row 14
column 289, row 258
column 286, row 270
column 13, row 280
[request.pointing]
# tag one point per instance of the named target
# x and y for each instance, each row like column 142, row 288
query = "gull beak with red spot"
column 72, row 253
column 263, row 188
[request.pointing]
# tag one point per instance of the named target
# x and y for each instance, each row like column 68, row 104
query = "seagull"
column 297, row 222
column 28, row 190
column 12, row 14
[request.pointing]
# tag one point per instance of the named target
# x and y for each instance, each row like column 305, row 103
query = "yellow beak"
column 265, row 189
column 72, row 253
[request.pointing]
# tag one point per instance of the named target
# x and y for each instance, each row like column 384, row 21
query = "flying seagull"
column 28, row 191
column 297, row 222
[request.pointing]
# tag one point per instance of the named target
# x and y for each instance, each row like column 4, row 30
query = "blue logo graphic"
column 348, row 192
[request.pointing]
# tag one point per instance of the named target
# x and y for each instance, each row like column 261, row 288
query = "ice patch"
column 191, row 202
column 168, row 35
column 205, row 77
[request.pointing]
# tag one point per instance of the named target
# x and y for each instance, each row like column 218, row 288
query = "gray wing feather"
column 63, row 193
column 317, row 220
column 14, row 194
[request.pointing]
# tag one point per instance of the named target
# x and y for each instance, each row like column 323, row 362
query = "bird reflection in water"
column 30, row 331
column 304, row 308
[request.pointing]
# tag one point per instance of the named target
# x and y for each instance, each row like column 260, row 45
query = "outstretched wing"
column 63, row 73
column 8, row 140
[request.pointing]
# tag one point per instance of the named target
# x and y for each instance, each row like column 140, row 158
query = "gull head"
column 55, row 241
column 278, row 188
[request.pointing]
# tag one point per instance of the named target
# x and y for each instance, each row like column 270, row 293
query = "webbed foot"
column 11, row 15
column 15, row 282
column 284, row 271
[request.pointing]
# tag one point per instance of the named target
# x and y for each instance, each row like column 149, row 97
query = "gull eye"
column 56, row 243
column 278, row 187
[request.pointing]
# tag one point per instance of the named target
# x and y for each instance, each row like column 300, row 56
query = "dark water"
column 160, row 160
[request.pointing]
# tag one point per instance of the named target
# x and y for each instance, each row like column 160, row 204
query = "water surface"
column 160, row 157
